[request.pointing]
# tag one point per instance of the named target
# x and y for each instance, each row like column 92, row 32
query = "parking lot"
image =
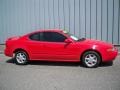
column 58, row 76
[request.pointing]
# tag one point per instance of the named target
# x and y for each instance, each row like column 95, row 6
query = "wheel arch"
column 21, row 49
column 91, row 50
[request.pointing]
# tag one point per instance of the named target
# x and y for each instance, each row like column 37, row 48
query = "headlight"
column 111, row 49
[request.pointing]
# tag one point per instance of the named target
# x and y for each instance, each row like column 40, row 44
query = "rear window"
column 35, row 36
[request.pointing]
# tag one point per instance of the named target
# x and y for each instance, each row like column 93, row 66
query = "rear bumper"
column 8, row 52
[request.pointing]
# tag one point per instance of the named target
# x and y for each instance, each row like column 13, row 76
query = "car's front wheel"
column 91, row 59
column 21, row 58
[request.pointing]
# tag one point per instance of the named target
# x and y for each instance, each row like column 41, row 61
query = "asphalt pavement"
column 58, row 76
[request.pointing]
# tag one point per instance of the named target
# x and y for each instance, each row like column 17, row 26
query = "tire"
column 91, row 59
column 21, row 58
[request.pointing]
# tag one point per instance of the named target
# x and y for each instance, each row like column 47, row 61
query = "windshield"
column 71, row 36
column 74, row 37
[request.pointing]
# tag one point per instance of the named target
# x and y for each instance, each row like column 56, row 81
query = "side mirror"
column 68, row 41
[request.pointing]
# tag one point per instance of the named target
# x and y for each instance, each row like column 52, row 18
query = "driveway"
column 58, row 76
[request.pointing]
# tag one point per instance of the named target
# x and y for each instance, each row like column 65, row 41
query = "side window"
column 54, row 37
column 48, row 36
column 35, row 36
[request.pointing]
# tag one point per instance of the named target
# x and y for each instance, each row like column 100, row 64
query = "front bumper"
column 110, row 55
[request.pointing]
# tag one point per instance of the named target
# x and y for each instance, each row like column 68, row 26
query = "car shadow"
column 10, row 61
column 47, row 63
column 53, row 63
column 106, row 64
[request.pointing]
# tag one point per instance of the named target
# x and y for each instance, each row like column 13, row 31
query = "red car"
column 58, row 45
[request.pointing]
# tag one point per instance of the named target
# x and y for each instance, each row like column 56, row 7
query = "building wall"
column 97, row 19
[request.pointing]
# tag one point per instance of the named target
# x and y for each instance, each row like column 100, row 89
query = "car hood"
column 96, row 42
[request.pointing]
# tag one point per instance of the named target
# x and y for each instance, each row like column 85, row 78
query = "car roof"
column 45, row 30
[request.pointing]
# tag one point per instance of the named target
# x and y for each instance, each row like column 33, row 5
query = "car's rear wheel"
column 91, row 59
column 21, row 58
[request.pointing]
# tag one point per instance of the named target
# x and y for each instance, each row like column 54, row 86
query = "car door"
column 35, row 46
column 56, row 49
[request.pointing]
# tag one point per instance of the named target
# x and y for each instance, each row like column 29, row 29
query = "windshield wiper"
column 81, row 39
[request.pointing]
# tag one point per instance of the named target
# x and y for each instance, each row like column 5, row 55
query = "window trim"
column 47, row 41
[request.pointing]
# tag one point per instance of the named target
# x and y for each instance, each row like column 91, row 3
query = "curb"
column 118, row 53
column 1, row 52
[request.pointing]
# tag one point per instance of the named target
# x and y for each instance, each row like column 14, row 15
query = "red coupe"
column 59, row 45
